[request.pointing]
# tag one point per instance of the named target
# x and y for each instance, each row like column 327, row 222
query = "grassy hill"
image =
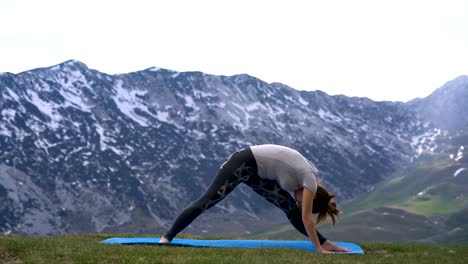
column 87, row 249
column 426, row 202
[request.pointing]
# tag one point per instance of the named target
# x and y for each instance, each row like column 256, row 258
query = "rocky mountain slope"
column 84, row 151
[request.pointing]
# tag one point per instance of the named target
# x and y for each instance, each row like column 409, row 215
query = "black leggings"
column 241, row 167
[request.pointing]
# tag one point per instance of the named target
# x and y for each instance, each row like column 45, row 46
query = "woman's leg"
column 273, row 193
column 239, row 167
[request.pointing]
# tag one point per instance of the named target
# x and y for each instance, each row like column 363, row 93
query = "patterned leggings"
column 241, row 167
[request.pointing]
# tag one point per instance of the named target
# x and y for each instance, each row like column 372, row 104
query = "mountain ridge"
column 126, row 152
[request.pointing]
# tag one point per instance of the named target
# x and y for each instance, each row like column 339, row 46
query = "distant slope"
column 425, row 202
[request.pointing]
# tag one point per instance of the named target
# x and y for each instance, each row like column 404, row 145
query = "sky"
column 384, row 50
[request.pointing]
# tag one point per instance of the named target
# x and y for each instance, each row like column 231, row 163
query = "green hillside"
column 427, row 202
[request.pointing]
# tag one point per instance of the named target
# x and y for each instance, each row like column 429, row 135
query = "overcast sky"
column 385, row 50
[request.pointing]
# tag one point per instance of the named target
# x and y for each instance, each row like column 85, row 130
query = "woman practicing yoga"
column 273, row 172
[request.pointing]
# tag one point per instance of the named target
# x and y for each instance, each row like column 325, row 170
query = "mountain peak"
column 458, row 84
column 446, row 107
column 158, row 69
column 461, row 78
column 71, row 64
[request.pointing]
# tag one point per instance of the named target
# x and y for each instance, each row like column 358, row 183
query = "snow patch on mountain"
column 128, row 102
column 190, row 103
column 12, row 94
column 328, row 116
column 46, row 108
column 459, row 153
column 254, row 106
column 425, row 141
column 72, row 95
column 303, row 102
column 202, row 94
column 163, row 116
column 455, row 174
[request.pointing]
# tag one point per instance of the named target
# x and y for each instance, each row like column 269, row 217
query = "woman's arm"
column 308, row 220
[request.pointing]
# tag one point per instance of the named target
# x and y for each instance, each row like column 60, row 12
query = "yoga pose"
column 273, row 172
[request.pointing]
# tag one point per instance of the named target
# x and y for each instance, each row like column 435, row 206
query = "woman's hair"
column 323, row 206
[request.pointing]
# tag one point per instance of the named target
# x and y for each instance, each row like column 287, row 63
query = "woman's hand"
column 334, row 247
column 322, row 250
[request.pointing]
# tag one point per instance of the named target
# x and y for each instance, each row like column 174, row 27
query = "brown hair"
column 324, row 206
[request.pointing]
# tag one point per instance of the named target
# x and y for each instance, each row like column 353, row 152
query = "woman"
column 272, row 171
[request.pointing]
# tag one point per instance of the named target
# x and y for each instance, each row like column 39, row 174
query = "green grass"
column 432, row 176
column 87, row 249
column 394, row 181
column 428, row 205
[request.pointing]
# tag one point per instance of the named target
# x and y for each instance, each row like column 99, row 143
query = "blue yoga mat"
column 300, row 244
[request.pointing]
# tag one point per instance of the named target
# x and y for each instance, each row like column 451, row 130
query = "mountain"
column 84, row 151
column 446, row 107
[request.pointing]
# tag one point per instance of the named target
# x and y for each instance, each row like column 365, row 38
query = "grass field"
column 87, row 249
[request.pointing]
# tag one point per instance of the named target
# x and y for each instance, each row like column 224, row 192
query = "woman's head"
column 323, row 206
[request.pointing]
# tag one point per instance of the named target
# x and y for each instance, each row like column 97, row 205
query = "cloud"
column 386, row 50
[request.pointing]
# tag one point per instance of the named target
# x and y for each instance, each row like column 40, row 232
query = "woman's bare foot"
column 334, row 247
column 164, row 240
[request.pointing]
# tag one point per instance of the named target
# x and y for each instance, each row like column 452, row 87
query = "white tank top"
column 286, row 166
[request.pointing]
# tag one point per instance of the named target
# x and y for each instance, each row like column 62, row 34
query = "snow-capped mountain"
column 84, row 151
